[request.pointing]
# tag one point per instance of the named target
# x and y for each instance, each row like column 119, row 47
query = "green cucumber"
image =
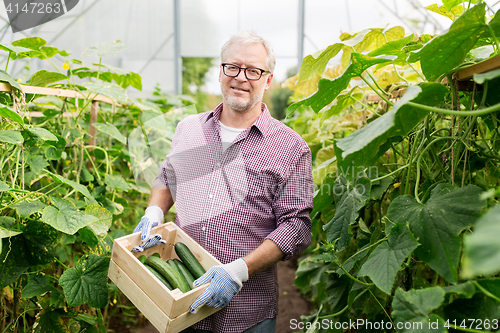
column 156, row 254
column 189, row 260
column 175, row 266
column 168, row 272
column 142, row 259
column 185, row 272
column 160, row 277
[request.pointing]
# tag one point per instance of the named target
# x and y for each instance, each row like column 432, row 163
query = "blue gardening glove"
column 152, row 217
column 225, row 282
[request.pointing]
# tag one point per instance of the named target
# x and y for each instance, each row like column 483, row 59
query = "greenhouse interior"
column 155, row 179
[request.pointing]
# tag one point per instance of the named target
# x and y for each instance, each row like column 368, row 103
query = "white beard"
column 239, row 104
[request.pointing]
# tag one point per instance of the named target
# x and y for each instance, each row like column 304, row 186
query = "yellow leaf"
column 333, row 71
column 324, row 154
column 387, row 78
column 441, row 10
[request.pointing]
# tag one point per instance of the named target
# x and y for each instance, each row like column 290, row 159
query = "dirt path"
column 291, row 305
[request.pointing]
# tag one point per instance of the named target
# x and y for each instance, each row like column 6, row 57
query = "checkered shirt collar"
column 263, row 123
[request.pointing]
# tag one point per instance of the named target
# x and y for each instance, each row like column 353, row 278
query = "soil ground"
column 291, row 304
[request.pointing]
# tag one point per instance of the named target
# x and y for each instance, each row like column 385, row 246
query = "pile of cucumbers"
column 175, row 273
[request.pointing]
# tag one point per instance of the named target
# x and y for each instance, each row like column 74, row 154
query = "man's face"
column 239, row 93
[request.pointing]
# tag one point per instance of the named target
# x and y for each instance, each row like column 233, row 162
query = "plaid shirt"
column 230, row 200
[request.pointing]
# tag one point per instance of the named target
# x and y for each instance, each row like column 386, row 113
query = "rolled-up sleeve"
column 292, row 205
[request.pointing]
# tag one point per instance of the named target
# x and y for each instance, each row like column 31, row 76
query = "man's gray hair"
column 250, row 37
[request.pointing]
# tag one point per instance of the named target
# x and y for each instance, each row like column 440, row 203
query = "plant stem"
column 345, row 308
column 355, row 279
column 481, row 112
column 390, row 174
column 376, row 84
column 100, row 321
column 7, row 64
column 495, row 39
column 485, row 291
column 382, row 307
column 420, row 158
column 60, row 263
column 376, row 91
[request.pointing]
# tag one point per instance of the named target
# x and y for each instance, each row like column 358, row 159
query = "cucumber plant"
column 405, row 206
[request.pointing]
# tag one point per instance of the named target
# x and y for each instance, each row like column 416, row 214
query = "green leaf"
column 53, row 154
column 9, row 114
column 4, row 187
column 4, row 77
column 26, row 208
column 38, row 284
column 350, row 198
column 79, row 187
column 466, row 289
column 363, row 147
column 482, row 248
column 385, row 261
column 87, row 282
column 12, row 49
column 111, row 130
column 445, row 52
column 13, row 259
column 11, row 136
column 324, row 199
column 43, row 134
column 309, row 273
column 6, row 233
column 7, row 222
column 107, row 49
column 66, row 217
column 43, row 78
column 438, row 223
column 328, row 90
column 117, row 182
column 37, row 163
column 342, row 103
column 35, row 246
column 111, row 90
column 104, row 219
column 51, row 321
column 380, row 187
column 413, row 307
column 33, row 43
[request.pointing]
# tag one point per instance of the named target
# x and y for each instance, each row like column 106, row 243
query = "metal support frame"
column 301, row 31
column 177, row 47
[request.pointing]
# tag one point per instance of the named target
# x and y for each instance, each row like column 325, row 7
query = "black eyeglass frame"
column 262, row 71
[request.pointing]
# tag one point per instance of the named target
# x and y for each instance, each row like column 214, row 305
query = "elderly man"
column 242, row 184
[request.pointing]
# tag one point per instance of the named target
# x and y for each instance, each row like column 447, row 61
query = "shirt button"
column 210, row 195
column 203, row 228
column 218, row 164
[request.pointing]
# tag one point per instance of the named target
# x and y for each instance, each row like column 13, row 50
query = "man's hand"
column 152, row 217
column 225, row 282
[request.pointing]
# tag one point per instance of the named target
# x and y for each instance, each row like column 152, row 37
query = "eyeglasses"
column 251, row 73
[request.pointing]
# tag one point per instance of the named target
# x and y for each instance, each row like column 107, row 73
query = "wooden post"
column 92, row 131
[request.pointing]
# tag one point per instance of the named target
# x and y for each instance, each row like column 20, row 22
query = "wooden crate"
column 167, row 310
